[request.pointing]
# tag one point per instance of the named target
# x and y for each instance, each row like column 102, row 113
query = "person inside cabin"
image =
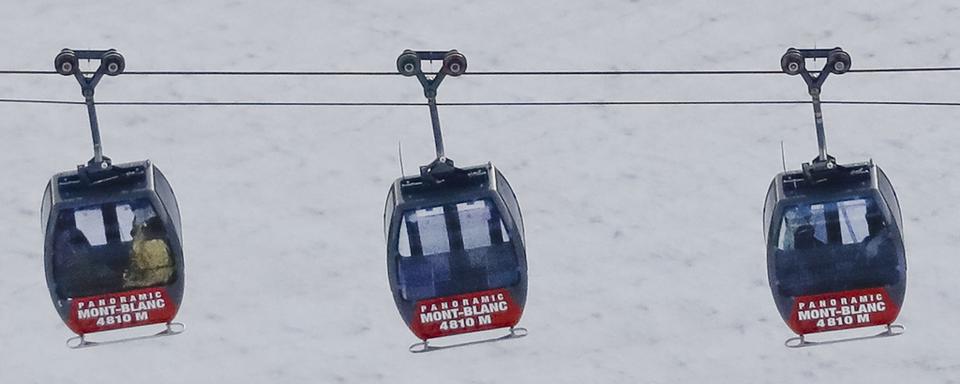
column 78, row 270
column 151, row 262
column 72, row 265
column 804, row 235
column 880, row 257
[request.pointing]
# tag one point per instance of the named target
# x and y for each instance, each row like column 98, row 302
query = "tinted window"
column 431, row 224
column 886, row 189
column 388, row 213
column 769, row 205
column 167, row 197
column 45, row 208
column 454, row 248
column 510, row 200
column 111, row 247
column 835, row 246
column 836, row 222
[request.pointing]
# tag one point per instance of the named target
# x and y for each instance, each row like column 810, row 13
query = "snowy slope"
column 644, row 223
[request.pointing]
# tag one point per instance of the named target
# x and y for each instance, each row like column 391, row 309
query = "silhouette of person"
column 76, row 271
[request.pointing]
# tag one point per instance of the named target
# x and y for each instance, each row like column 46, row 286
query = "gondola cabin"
column 455, row 252
column 835, row 253
column 113, row 256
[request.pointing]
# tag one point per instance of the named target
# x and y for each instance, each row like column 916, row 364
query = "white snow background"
column 643, row 223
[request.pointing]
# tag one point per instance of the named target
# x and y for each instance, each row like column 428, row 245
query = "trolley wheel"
column 454, row 63
column 408, row 64
column 839, row 61
column 66, row 62
column 112, row 63
column 792, row 62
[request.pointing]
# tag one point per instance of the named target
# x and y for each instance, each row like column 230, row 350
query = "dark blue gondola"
column 456, row 256
column 835, row 253
column 112, row 255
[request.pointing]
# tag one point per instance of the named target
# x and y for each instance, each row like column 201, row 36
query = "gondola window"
column 838, row 223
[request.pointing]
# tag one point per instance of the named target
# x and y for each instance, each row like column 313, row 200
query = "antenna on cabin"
column 400, row 152
column 783, row 156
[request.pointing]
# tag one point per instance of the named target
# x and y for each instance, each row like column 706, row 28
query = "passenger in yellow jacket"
column 150, row 260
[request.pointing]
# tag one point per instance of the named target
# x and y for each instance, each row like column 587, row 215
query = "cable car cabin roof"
column 476, row 180
column 122, row 179
column 844, row 178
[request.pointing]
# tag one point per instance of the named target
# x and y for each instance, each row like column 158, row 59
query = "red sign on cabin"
column 121, row 310
column 472, row 312
column 842, row 310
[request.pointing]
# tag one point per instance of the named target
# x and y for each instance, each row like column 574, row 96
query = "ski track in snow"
column 643, row 223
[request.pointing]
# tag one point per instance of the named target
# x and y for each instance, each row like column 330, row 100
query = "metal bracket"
column 793, row 62
column 454, row 64
column 67, row 63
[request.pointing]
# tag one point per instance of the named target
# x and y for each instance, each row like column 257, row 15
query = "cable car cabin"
column 455, row 254
column 112, row 254
column 835, row 254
